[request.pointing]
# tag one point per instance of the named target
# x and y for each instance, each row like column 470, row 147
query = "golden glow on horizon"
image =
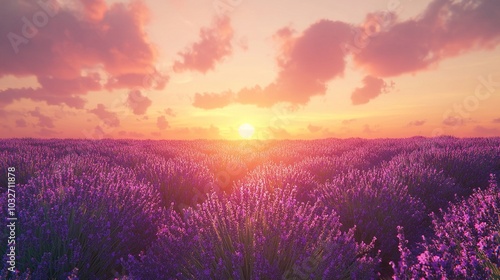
column 246, row 130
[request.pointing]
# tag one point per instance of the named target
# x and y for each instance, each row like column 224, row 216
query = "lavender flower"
column 254, row 233
column 465, row 245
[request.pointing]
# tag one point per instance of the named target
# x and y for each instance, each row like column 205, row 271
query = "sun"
column 246, row 130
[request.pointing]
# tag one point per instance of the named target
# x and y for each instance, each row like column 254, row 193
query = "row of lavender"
column 325, row 209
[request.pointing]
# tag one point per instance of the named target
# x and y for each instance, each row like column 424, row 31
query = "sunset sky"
column 189, row 69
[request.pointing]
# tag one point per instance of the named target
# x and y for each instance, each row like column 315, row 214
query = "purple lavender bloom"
column 465, row 244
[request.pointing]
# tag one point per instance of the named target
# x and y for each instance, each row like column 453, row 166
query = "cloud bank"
column 66, row 46
column 309, row 60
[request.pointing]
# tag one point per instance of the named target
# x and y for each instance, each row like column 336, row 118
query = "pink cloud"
column 40, row 94
column 94, row 9
column 256, row 96
column 497, row 120
column 162, row 123
column 213, row 47
column 316, row 55
column 21, row 123
column 455, row 121
column 170, row 112
column 43, row 120
column 212, row 100
column 109, row 118
column 75, row 42
column 372, row 87
column 64, row 87
column 138, row 102
column 417, row 123
column 306, row 62
column 446, row 29
column 151, row 81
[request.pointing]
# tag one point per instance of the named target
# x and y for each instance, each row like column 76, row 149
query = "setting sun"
column 246, row 130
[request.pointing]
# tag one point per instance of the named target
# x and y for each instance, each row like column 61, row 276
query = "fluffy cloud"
column 21, row 123
column 213, row 47
column 170, row 112
column 161, row 123
column 446, row 29
column 138, row 102
column 154, row 80
column 43, row 120
column 40, row 94
column 109, row 118
column 417, row 123
column 65, row 45
column 372, row 87
column 307, row 62
column 455, row 121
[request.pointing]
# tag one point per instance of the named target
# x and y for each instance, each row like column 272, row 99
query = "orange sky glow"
column 199, row 69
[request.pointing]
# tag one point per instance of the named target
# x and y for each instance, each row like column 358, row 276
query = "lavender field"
column 417, row 208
